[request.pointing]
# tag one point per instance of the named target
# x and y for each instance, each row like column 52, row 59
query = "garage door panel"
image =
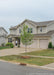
column 34, row 44
column 44, row 44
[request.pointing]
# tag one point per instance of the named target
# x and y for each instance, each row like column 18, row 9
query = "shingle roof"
column 45, row 34
column 3, row 29
column 45, row 23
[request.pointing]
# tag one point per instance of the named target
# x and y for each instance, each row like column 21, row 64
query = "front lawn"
column 4, row 47
column 48, row 52
column 32, row 60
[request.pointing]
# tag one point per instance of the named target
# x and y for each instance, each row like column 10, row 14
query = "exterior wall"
column 13, row 40
column 44, row 30
column 52, row 39
column 18, row 30
column 35, row 29
column 6, row 39
column 50, row 27
column 36, row 42
column 2, row 40
column 3, row 36
column 14, row 32
column 2, row 32
column 29, row 26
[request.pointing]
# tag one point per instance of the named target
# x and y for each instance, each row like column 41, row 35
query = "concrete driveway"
column 15, row 51
column 51, row 65
column 13, row 69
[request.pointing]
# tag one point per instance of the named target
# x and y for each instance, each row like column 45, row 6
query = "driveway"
column 51, row 65
column 13, row 69
column 15, row 51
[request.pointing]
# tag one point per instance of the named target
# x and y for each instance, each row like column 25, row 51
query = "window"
column 9, row 39
column 19, row 30
column 30, row 30
column 41, row 29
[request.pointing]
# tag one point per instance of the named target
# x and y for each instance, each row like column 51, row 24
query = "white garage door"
column 34, row 44
column 44, row 44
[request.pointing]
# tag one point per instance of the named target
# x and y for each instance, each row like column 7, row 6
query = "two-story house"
column 43, row 33
column 3, row 36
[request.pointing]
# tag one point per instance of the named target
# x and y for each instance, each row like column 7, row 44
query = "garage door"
column 34, row 44
column 44, row 44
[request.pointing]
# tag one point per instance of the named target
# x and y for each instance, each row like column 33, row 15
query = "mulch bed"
column 25, row 57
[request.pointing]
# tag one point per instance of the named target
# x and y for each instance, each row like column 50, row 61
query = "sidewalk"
column 39, row 56
column 49, row 66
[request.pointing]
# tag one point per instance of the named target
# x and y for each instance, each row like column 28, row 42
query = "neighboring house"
column 3, row 36
column 43, row 33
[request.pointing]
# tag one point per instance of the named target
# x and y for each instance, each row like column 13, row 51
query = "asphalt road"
column 13, row 69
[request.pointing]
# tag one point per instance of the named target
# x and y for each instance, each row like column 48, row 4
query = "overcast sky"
column 13, row 12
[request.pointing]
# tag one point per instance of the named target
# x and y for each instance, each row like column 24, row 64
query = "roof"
column 46, row 34
column 3, row 29
column 44, row 23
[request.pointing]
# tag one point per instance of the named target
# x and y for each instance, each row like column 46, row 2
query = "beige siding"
column 52, row 39
column 44, row 30
column 2, row 40
column 29, row 26
column 18, row 30
column 3, row 36
column 13, row 31
column 2, row 32
column 50, row 27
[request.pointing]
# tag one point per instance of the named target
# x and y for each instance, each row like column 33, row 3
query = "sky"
column 13, row 12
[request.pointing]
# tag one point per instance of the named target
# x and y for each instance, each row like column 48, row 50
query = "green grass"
column 31, row 60
column 48, row 52
column 4, row 48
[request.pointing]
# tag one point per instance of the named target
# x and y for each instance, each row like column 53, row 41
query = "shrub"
column 10, row 44
column 50, row 45
column 3, row 44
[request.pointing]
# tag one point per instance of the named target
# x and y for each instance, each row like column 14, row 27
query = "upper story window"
column 9, row 39
column 40, row 29
column 19, row 30
column 30, row 30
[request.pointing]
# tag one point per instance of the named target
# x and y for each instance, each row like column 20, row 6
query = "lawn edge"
column 28, row 65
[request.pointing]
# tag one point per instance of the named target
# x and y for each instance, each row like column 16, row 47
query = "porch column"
column 13, row 41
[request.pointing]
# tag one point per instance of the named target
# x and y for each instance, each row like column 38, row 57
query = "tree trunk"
column 25, row 48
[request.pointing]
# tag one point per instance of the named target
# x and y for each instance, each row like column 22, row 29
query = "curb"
column 34, row 66
column 49, row 68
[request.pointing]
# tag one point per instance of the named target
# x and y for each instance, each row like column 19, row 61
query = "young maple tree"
column 26, row 37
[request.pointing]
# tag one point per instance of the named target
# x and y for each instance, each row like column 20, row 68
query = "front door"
column 17, row 41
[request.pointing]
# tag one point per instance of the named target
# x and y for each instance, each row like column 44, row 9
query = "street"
column 13, row 69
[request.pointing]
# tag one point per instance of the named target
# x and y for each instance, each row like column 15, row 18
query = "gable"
column 29, row 26
column 50, row 26
column 2, row 31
